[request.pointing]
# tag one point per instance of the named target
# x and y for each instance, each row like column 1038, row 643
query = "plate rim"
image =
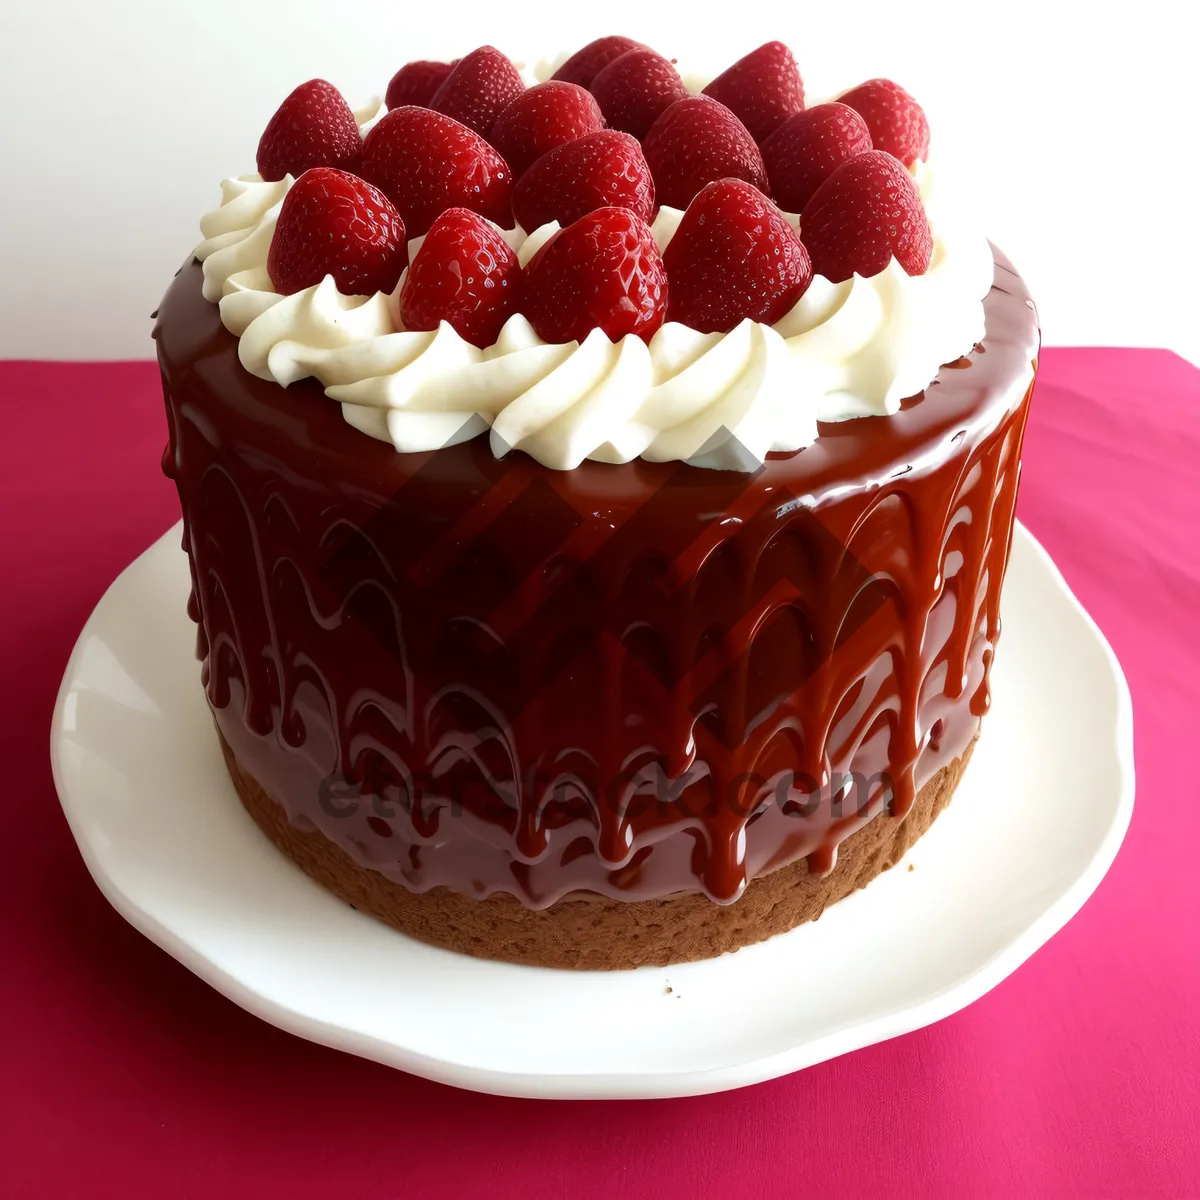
column 659, row 1084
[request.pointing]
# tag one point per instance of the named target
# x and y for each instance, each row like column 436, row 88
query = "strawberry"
column 333, row 223
column 896, row 121
column 464, row 273
column 633, row 91
column 479, row 89
column 734, row 256
column 313, row 127
column 762, row 90
column 425, row 163
column 696, row 141
column 416, row 83
column 807, row 148
column 603, row 169
column 602, row 272
column 584, row 65
column 866, row 212
column 541, row 118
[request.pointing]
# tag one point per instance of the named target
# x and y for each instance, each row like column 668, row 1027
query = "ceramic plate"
column 1033, row 827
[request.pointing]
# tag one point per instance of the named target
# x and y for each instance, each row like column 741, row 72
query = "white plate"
column 1034, row 826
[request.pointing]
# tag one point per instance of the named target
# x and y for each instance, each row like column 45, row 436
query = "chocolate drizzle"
column 636, row 680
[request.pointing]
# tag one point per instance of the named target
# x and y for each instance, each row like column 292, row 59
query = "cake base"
column 599, row 934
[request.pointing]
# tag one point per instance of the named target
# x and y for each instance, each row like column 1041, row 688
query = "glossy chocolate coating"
column 637, row 680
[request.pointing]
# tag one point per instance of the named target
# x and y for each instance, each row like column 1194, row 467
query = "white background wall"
column 1074, row 127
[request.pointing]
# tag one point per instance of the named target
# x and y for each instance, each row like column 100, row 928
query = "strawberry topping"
column 464, row 273
column 425, row 163
column 603, row 169
column 602, row 272
column 807, row 148
column 896, row 121
column 584, row 65
column 333, row 223
column 633, row 91
column 479, row 89
column 541, row 118
column 734, row 256
column 313, row 127
column 866, row 212
column 416, row 83
column 465, row 147
column 696, row 141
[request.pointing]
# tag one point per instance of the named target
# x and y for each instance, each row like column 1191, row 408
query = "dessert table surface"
column 124, row 1075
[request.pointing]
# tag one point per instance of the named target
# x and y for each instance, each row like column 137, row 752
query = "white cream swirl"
column 719, row 400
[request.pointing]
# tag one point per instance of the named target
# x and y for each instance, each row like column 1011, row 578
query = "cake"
column 598, row 487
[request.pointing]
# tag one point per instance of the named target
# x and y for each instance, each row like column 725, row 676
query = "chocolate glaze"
column 634, row 681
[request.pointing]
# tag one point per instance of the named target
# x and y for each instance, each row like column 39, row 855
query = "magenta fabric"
column 123, row 1075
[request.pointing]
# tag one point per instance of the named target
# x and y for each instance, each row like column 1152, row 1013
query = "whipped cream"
column 846, row 350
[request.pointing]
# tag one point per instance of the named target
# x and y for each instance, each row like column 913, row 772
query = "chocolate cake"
column 533, row 681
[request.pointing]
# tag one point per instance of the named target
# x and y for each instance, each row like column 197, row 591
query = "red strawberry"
column 807, row 148
column 734, row 256
column 584, row 65
column 696, row 141
column 633, row 91
column 479, row 89
column 416, row 83
column 313, row 127
column 603, row 169
column 541, row 118
column 333, row 223
column 868, row 210
column 896, row 121
column 426, row 163
column 603, row 272
column 762, row 90
column 464, row 273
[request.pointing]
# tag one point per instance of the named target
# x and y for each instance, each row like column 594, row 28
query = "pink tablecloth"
column 123, row 1075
